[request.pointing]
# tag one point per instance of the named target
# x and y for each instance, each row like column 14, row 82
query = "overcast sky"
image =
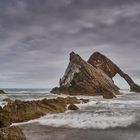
column 36, row 37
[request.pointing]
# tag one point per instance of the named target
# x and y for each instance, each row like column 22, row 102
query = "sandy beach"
column 39, row 132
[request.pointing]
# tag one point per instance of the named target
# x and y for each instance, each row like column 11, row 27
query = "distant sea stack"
column 100, row 61
column 83, row 78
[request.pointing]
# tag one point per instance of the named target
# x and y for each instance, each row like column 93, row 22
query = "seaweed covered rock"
column 84, row 79
column 103, row 63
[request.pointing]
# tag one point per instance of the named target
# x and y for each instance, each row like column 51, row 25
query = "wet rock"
column 108, row 96
column 11, row 133
column 72, row 107
column 4, row 121
column 56, row 90
column 72, row 100
column 20, row 111
column 2, row 92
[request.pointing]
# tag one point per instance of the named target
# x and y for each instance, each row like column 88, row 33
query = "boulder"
column 84, row 79
column 72, row 107
column 2, row 92
column 11, row 133
column 103, row 63
column 108, row 95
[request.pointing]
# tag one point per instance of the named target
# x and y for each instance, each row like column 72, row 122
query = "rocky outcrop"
column 11, row 133
column 100, row 61
column 72, row 107
column 2, row 92
column 7, row 132
column 82, row 78
column 107, row 95
column 20, row 111
column 4, row 120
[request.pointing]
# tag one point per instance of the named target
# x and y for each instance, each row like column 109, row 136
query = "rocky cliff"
column 83, row 78
column 100, row 61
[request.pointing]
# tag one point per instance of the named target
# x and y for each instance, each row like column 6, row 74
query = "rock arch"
column 100, row 61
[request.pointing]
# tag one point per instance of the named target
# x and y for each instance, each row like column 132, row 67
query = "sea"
column 99, row 119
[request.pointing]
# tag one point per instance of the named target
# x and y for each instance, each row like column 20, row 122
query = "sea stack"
column 103, row 63
column 82, row 78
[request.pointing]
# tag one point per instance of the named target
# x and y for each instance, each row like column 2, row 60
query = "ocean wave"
column 84, row 120
column 27, row 91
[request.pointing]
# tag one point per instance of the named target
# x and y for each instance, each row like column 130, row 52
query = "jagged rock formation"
column 82, row 78
column 20, row 111
column 100, row 61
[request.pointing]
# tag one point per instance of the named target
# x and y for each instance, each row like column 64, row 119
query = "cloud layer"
column 36, row 37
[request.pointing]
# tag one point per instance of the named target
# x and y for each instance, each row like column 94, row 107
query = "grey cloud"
column 36, row 37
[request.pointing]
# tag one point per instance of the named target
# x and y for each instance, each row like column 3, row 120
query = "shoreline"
column 36, row 131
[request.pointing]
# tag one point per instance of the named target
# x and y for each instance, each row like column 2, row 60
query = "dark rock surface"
column 4, row 121
column 100, row 61
column 83, row 78
column 11, row 133
column 72, row 107
column 2, row 92
column 107, row 95
column 7, row 132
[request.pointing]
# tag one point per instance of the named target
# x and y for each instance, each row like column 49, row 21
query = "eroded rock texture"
column 82, row 78
column 11, row 133
column 100, row 61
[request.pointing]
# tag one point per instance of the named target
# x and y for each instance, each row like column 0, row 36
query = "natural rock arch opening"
column 120, row 82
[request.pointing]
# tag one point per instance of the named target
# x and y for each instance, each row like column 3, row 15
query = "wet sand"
column 40, row 132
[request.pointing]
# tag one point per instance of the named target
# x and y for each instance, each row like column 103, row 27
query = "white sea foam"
column 95, row 114
column 126, row 91
column 85, row 120
column 98, row 113
column 2, row 104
